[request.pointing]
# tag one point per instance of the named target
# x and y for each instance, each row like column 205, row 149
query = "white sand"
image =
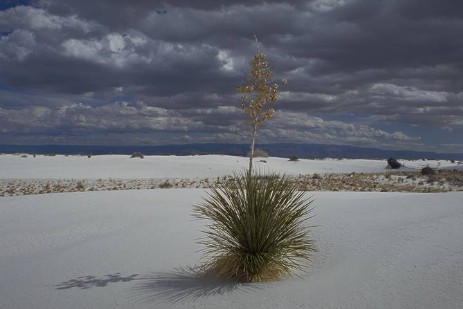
column 122, row 166
column 122, row 249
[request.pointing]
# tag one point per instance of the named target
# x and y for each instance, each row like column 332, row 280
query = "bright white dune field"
column 132, row 249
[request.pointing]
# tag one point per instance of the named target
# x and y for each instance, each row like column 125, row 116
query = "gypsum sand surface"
column 134, row 249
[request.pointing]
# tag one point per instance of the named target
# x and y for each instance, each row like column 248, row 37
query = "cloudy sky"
column 370, row 73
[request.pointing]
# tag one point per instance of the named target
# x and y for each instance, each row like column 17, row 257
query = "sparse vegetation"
column 443, row 181
column 166, row 185
column 137, row 155
column 80, row 186
column 427, row 171
column 257, row 228
column 393, row 163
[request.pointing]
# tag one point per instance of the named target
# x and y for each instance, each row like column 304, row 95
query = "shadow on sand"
column 185, row 284
column 87, row 282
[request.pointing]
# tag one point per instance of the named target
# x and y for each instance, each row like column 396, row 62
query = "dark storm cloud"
column 394, row 63
column 447, row 9
column 356, row 37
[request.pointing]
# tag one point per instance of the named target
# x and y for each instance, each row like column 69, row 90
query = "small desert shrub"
column 166, row 185
column 427, row 171
column 80, row 186
column 393, row 163
column 137, row 155
column 257, row 228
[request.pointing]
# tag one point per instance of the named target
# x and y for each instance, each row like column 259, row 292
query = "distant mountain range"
column 309, row 151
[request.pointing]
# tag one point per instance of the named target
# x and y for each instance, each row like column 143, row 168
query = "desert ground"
column 114, row 232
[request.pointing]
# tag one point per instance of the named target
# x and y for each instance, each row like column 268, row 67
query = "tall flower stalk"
column 257, row 93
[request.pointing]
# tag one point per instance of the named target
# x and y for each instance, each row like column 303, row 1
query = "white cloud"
column 116, row 116
column 384, row 90
column 113, row 49
column 327, row 5
column 86, row 49
column 306, row 96
column 116, row 42
column 17, row 45
column 300, row 127
column 27, row 17
column 223, row 110
column 226, row 60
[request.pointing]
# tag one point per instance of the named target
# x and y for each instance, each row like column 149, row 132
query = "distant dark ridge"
column 180, row 150
column 310, row 151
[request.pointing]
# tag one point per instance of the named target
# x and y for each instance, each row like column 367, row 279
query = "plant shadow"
column 186, row 284
column 87, row 282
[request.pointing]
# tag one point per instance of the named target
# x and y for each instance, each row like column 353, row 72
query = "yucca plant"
column 257, row 228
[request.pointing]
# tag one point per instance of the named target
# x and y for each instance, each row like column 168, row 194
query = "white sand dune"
column 122, row 166
column 133, row 249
